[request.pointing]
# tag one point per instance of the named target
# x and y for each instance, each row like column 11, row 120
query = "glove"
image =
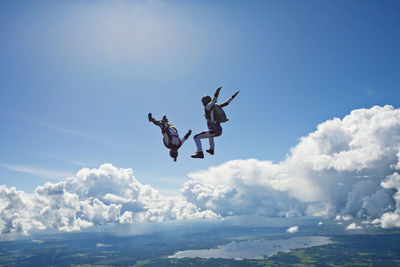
column 150, row 117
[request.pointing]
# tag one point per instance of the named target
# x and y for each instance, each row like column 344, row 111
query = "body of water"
column 255, row 249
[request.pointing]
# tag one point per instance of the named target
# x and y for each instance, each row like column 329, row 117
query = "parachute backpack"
column 219, row 114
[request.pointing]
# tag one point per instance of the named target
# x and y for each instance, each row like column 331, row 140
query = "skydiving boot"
column 198, row 155
column 210, row 151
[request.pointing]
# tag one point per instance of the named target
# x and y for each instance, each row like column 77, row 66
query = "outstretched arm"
column 229, row 100
column 151, row 119
column 214, row 100
column 185, row 137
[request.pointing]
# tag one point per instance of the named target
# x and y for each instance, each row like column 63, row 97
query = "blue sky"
column 78, row 79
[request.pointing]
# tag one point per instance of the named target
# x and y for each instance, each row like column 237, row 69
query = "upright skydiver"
column 212, row 112
column 170, row 135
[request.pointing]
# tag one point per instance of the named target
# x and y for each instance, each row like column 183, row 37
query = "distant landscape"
column 375, row 247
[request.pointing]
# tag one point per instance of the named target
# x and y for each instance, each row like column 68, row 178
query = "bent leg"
column 205, row 134
column 215, row 131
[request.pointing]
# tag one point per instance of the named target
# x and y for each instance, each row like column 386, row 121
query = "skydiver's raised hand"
column 150, row 117
column 217, row 91
column 235, row 94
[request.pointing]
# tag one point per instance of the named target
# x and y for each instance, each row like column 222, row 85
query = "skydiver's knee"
column 198, row 135
column 218, row 130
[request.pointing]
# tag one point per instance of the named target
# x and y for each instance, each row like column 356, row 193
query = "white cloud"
column 16, row 211
column 391, row 218
column 292, row 230
column 353, row 226
column 344, row 217
column 340, row 169
column 239, row 188
column 348, row 168
column 100, row 245
column 94, row 197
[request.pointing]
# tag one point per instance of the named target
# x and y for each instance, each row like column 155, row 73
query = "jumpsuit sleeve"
column 213, row 101
column 156, row 122
column 226, row 102
column 183, row 141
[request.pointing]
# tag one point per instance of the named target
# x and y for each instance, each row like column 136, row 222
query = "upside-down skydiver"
column 170, row 135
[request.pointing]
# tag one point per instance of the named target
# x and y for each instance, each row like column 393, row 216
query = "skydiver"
column 170, row 135
column 213, row 124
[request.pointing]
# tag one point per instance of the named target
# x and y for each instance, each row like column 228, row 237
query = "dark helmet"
column 173, row 153
column 206, row 99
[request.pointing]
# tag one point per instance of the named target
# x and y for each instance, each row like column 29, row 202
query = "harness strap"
column 165, row 129
column 208, row 113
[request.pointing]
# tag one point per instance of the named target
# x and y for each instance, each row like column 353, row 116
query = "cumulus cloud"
column 292, row 230
column 347, row 168
column 94, row 197
column 353, row 226
column 344, row 217
column 391, row 218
